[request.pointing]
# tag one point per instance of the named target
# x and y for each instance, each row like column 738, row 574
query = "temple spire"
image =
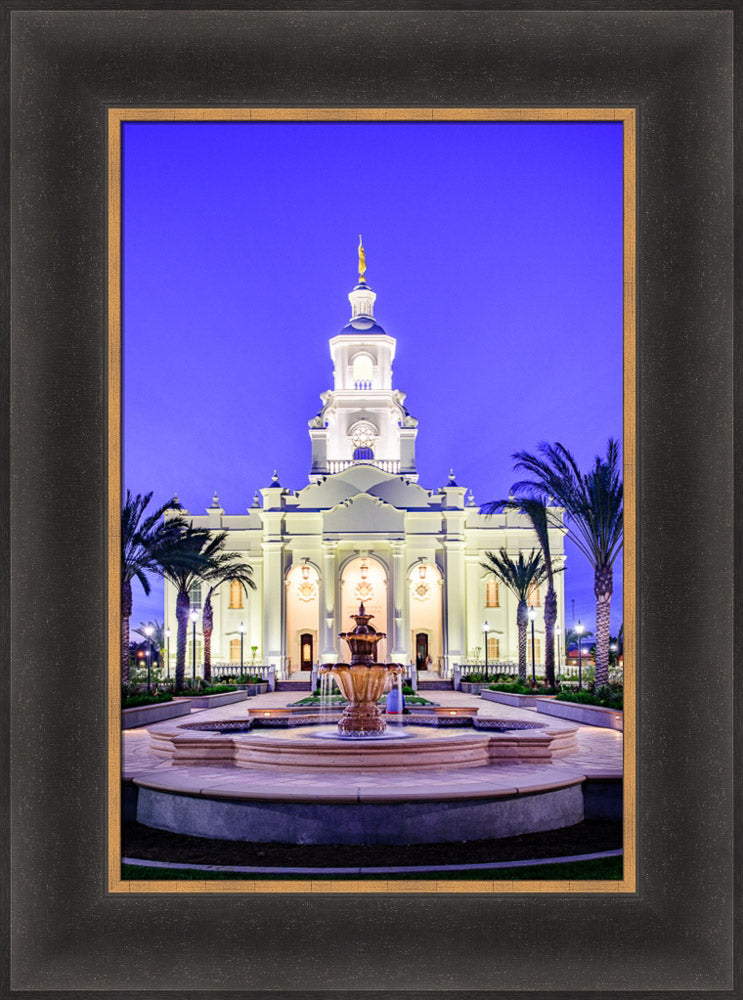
column 362, row 262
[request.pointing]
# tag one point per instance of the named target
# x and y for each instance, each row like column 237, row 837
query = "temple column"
column 399, row 650
column 473, row 625
column 454, row 584
column 273, row 592
column 328, row 651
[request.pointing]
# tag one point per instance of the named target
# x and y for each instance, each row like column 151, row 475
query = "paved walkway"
column 599, row 754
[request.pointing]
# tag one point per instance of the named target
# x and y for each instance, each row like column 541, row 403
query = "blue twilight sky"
column 495, row 250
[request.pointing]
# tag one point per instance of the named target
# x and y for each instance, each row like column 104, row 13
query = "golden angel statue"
column 362, row 261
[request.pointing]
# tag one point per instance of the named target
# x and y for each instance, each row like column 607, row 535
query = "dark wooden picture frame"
column 67, row 933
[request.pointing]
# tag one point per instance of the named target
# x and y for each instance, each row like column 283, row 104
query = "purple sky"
column 495, row 250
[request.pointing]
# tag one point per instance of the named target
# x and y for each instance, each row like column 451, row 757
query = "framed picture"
column 287, row 571
column 76, row 924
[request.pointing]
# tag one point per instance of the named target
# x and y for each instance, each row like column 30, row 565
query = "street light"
column 486, row 629
column 558, row 630
column 194, row 617
column 613, row 648
column 579, row 633
column 148, row 633
column 532, row 617
column 167, row 649
column 242, row 637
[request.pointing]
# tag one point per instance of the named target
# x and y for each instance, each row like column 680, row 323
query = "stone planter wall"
column 585, row 715
column 253, row 689
column 470, row 687
column 215, row 700
column 517, row 700
column 146, row 715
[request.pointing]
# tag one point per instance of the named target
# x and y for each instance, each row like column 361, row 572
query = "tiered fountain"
column 362, row 681
column 327, row 803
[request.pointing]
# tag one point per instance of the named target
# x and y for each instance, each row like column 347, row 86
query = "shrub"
column 137, row 700
column 605, row 697
column 518, row 687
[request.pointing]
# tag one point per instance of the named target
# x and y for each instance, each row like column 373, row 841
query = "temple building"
column 363, row 529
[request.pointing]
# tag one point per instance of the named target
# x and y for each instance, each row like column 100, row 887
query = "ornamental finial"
column 362, row 262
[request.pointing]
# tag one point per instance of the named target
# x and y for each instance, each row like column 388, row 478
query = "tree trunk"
column 126, row 612
column 207, row 626
column 550, row 617
column 522, row 618
column 182, row 609
column 603, row 582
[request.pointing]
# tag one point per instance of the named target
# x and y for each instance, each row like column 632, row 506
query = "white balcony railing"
column 385, row 464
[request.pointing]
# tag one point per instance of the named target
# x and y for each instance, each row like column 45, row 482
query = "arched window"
column 532, row 598
column 363, row 371
column 236, row 594
column 363, row 436
column 493, row 647
column 492, row 594
column 234, row 650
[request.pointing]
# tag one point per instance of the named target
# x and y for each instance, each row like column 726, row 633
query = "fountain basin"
column 318, row 747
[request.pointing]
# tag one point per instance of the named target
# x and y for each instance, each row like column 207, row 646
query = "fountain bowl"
column 362, row 681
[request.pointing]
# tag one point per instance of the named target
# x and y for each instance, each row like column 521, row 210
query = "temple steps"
column 293, row 685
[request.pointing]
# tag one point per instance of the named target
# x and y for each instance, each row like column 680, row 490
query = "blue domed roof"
column 364, row 324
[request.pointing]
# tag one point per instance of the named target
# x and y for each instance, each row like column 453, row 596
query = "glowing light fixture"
column 422, row 570
column 306, row 570
column 364, row 570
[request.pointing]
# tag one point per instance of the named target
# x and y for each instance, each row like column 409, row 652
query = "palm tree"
column 227, row 567
column 143, row 536
column 536, row 511
column 593, row 504
column 198, row 554
column 519, row 576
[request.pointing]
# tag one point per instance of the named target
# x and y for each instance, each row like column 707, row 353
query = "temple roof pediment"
column 364, row 513
column 365, row 479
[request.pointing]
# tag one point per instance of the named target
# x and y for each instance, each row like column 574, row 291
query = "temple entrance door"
column 421, row 651
column 305, row 647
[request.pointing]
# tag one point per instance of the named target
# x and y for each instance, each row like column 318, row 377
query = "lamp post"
column 532, row 617
column 486, row 629
column 148, row 633
column 557, row 636
column 167, row 649
column 194, row 616
column 579, row 633
column 242, row 638
column 613, row 649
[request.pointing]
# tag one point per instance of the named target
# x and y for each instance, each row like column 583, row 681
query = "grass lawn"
column 599, row 868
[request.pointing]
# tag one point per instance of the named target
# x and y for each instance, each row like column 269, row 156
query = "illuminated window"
column 234, row 650
column 363, row 370
column 493, row 647
column 492, row 594
column 236, row 594
column 195, row 596
column 537, row 650
column 532, row 598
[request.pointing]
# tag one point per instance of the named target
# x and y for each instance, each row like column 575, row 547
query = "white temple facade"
column 363, row 529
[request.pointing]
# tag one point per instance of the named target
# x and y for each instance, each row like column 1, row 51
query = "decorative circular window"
column 363, row 435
